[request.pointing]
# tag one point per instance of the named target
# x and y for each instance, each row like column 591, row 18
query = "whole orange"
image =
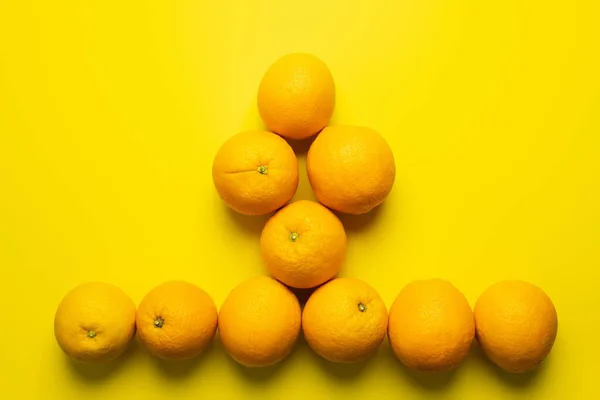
column 431, row 326
column 344, row 320
column 516, row 325
column 259, row 322
column 255, row 172
column 296, row 96
column 95, row 322
column 176, row 320
column 303, row 244
column 351, row 169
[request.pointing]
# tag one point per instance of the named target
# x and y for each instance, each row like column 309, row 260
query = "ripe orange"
column 516, row 325
column 259, row 322
column 255, row 172
column 176, row 320
column 296, row 96
column 95, row 322
column 351, row 169
column 344, row 320
column 303, row 244
column 431, row 326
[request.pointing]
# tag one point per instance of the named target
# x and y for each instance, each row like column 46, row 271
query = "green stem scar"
column 158, row 322
column 91, row 334
column 294, row 236
column 262, row 169
column 362, row 307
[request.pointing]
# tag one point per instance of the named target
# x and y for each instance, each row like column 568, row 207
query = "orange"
column 344, row 320
column 176, row 320
column 255, row 172
column 296, row 96
column 351, row 169
column 303, row 244
column 431, row 326
column 95, row 322
column 259, row 322
column 516, row 325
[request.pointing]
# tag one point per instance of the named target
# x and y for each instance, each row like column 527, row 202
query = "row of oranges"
column 351, row 170
column 430, row 324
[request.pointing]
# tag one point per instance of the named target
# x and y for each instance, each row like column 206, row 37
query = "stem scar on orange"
column 303, row 245
column 176, row 320
column 255, row 172
column 95, row 322
column 345, row 320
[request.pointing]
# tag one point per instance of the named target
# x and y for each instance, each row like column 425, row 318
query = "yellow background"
column 111, row 112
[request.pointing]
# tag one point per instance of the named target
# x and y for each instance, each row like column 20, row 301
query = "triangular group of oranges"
column 430, row 325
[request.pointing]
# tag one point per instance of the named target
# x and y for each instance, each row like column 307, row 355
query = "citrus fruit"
column 176, row 320
column 516, row 325
column 95, row 322
column 344, row 320
column 351, row 169
column 255, row 172
column 303, row 244
column 259, row 322
column 431, row 326
column 296, row 96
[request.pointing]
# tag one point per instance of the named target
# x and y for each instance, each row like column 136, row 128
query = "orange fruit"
column 296, row 96
column 431, row 326
column 344, row 320
column 303, row 244
column 255, row 172
column 259, row 322
column 516, row 325
column 351, row 169
column 176, row 320
column 95, row 322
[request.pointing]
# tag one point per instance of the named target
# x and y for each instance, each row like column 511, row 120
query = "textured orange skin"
column 190, row 320
column 99, row 307
column 351, row 169
column 240, row 184
column 431, row 326
column 296, row 96
column 334, row 326
column 516, row 325
column 259, row 322
column 315, row 256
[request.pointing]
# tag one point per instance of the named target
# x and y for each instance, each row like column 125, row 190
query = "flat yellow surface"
column 111, row 112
